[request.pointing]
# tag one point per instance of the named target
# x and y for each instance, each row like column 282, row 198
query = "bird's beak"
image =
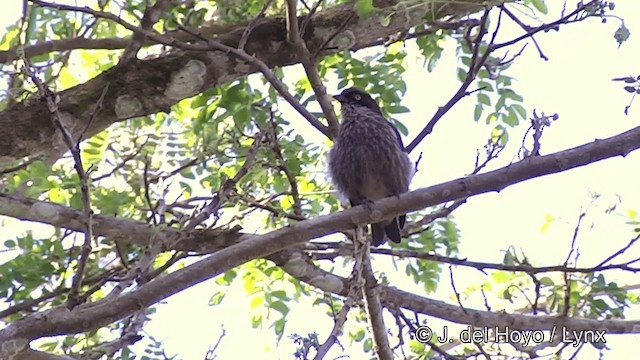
column 340, row 98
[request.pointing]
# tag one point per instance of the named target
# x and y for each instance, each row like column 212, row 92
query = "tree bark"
column 144, row 87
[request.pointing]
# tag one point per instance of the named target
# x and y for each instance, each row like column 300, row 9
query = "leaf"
column 385, row 20
column 280, row 306
column 364, row 8
column 627, row 79
column 492, row 117
column 630, row 89
column 501, row 101
column 512, row 95
column 540, row 6
column 599, row 304
column 367, row 345
column 278, row 326
column 520, row 110
column 257, row 300
column 622, row 34
column 546, row 281
column 510, row 118
column 484, row 99
column 462, row 74
column 397, row 109
column 477, row 112
column 417, row 347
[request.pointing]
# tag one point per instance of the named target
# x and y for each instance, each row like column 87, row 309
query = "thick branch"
column 146, row 87
column 86, row 317
column 393, row 297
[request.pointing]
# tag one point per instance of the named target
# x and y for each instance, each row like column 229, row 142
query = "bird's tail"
column 392, row 230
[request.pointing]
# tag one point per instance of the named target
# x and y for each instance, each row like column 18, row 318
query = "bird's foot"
column 368, row 204
column 375, row 214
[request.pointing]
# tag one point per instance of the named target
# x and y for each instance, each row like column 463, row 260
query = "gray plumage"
column 367, row 161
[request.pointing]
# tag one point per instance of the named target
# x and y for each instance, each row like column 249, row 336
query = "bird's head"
column 357, row 97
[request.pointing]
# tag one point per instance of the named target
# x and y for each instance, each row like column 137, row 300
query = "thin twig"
column 295, row 194
column 252, row 24
column 151, row 16
column 309, row 64
column 269, row 75
column 228, row 186
column 342, row 250
column 74, row 148
column 476, row 62
column 339, row 321
column 94, row 113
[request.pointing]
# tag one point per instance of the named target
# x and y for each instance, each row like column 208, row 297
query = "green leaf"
column 417, row 347
column 367, row 345
column 217, row 298
column 462, row 74
column 256, row 321
column 280, row 307
column 385, row 20
column 520, row 110
column 546, row 281
column 510, row 118
column 397, row 109
column 358, row 335
column 278, row 326
column 539, row 5
column 600, row 304
column 364, row 8
column 280, row 294
column 477, row 112
column 512, row 95
column 484, row 99
column 500, row 103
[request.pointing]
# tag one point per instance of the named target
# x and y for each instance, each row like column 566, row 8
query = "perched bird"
column 367, row 161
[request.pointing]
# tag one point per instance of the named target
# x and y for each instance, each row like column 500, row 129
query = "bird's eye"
column 357, row 97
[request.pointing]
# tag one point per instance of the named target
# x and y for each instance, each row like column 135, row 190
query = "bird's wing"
column 398, row 136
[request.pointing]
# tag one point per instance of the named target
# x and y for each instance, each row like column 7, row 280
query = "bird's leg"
column 368, row 204
column 364, row 202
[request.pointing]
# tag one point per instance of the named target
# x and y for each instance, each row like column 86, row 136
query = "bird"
column 368, row 161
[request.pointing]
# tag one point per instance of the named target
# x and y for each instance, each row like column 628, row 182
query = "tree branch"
column 146, row 87
column 309, row 64
column 151, row 16
column 60, row 320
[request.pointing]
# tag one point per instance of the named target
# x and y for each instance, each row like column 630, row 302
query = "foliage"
column 163, row 168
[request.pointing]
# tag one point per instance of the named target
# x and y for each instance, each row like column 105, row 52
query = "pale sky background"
column 576, row 84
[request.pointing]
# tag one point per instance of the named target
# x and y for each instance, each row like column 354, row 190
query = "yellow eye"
column 357, row 97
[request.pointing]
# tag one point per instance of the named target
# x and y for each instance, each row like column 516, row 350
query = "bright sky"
column 576, row 84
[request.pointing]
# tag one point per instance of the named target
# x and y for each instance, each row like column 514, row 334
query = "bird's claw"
column 368, row 204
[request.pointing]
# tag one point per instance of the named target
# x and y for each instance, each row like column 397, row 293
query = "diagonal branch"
column 74, row 147
column 478, row 60
column 309, row 64
column 211, row 240
column 153, row 85
column 151, row 16
column 86, row 317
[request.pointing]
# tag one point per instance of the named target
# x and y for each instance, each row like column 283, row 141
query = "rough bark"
column 150, row 86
